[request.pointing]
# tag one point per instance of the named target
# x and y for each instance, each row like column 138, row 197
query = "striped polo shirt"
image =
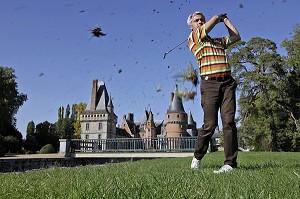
column 210, row 53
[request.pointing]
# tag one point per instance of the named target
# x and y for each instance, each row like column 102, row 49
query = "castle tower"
column 149, row 127
column 176, row 117
column 98, row 121
column 192, row 125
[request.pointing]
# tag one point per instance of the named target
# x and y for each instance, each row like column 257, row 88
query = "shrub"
column 48, row 148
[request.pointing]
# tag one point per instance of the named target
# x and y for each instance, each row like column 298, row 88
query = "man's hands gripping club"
column 222, row 17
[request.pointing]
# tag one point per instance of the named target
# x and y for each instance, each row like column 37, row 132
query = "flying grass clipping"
column 188, row 75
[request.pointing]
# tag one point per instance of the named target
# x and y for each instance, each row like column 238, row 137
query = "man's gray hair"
column 189, row 19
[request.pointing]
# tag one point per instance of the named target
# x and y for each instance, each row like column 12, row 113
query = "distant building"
column 177, row 123
column 192, row 125
column 98, row 121
column 146, row 128
column 176, row 118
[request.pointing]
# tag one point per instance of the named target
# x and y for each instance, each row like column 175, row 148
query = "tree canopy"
column 268, row 89
column 10, row 100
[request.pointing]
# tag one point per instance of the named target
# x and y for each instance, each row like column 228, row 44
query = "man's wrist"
column 222, row 17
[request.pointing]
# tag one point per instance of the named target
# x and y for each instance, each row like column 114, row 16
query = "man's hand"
column 222, row 17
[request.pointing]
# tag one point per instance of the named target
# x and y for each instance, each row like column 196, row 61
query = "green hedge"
column 48, row 148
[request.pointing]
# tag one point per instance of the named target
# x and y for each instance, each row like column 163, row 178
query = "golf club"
column 173, row 48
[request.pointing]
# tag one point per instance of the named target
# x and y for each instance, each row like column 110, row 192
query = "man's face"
column 197, row 20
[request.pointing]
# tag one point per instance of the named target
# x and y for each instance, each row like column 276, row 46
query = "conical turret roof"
column 176, row 103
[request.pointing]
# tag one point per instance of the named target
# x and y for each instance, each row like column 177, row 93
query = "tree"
column 30, row 128
column 45, row 134
column 31, row 144
column 62, row 112
column 2, row 149
column 10, row 100
column 11, row 144
column 289, row 100
column 79, row 108
column 69, row 126
column 11, row 131
column 59, row 113
column 68, row 111
column 74, row 112
column 257, row 68
column 269, row 93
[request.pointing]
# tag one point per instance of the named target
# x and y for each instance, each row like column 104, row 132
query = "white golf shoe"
column 195, row 163
column 224, row 169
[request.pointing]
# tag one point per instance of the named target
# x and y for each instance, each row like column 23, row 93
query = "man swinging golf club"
column 218, row 88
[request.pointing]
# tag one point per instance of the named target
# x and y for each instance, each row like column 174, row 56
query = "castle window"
column 100, row 126
column 168, row 116
column 86, row 137
column 177, row 115
column 87, row 126
column 99, row 136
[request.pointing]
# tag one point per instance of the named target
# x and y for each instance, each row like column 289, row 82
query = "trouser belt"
column 218, row 78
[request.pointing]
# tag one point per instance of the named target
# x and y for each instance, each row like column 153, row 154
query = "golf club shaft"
column 174, row 48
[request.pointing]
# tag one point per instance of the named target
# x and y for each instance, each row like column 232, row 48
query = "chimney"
column 94, row 94
column 130, row 117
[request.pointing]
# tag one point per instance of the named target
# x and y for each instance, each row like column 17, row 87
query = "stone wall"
column 25, row 164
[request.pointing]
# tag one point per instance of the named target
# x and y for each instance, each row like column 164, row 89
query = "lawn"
column 260, row 175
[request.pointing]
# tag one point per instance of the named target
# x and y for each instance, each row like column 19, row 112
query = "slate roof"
column 103, row 101
column 176, row 105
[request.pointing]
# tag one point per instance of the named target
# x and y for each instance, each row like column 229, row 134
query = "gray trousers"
column 215, row 96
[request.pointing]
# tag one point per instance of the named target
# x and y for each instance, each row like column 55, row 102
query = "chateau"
column 98, row 121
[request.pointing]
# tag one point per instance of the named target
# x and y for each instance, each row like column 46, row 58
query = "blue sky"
column 55, row 57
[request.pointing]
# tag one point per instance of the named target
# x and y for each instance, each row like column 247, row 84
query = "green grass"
column 260, row 175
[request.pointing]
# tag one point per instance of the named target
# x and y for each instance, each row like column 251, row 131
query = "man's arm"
column 210, row 24
column 234, row 35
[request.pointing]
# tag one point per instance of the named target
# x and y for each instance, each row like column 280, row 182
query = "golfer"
column 218, row 88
